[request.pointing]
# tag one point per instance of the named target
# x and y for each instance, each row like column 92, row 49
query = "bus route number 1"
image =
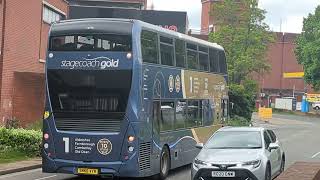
column 66, row 144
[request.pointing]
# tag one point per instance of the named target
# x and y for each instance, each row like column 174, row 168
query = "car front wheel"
column 268, row 173
column 283, row 162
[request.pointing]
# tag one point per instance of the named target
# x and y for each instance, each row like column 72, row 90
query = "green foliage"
column 308, row 48
column 238, row 121
column 37, row 125
column 244, row 35
column 21, row 140
column 8, row 155
column 243, row 101
column 12, row 123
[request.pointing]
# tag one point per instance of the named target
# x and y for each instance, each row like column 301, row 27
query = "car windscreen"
column 91, row 42
column 235, row 140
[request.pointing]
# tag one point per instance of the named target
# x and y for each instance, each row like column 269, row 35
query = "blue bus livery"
column 127, row 98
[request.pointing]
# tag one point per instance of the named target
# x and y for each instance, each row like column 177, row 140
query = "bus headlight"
column 130, row 148
column 131, row 138
column 129, row 55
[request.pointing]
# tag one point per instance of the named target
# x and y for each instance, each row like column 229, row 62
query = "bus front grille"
column 144, row 156
column 88, row 125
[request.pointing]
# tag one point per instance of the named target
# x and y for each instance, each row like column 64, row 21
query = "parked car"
column 248, row 153
column 316, row 105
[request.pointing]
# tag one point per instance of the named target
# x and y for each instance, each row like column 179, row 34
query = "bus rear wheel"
column 164, row 163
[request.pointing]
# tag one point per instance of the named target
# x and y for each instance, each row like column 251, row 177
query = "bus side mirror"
column 199, row 145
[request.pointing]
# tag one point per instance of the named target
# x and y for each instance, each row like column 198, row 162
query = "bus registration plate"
column 87, row 171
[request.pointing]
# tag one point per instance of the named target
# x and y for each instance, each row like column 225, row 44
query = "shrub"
column 28, row 141
column 243, row 100
column 238, row 121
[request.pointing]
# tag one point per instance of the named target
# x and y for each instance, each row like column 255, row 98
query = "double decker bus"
column 126, row 98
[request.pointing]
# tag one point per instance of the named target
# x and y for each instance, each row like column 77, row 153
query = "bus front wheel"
column 164, row 163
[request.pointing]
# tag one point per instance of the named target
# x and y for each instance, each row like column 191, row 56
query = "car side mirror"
column 273, row 146
column 199, row 145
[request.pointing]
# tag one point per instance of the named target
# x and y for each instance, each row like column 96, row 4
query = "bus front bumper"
column 117, row 168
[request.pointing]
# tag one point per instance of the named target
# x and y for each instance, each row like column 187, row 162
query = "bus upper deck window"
column 95, row 42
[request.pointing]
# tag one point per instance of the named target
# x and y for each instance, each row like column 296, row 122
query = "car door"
column 275, row 140
column 272, row 155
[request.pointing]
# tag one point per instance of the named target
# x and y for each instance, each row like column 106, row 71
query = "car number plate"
column 87, row 171
column 223, row 174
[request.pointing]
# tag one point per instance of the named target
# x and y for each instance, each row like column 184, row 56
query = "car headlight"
column 255, row 163
column 198, row 162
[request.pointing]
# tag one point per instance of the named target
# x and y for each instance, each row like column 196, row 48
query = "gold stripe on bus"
column 195, row 135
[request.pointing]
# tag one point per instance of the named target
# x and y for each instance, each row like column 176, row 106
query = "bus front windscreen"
column 91, row 42
column 89, row 94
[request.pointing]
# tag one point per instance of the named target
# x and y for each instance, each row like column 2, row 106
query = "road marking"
column 315, row 155
column 48, row 177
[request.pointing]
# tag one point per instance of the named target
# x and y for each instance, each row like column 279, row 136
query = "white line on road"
column 48, row 177
column 315, row 155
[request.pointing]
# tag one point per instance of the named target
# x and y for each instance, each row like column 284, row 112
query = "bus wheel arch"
column 165, row 162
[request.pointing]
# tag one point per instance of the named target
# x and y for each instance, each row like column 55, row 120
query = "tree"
column 243, row 101
column 244, row 35
column 308, row 49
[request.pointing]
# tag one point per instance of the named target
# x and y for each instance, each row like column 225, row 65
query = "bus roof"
column 99, row 21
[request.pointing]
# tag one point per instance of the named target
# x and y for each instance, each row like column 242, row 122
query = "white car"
column 316, row 105
column 247, row 153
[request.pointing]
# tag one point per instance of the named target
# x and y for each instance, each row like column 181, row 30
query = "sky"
column 289, row 12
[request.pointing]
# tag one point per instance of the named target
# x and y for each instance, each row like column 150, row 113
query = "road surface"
column 299, row 136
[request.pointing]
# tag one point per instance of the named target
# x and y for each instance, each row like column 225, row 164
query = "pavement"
column 19, row 166
column 299, row 136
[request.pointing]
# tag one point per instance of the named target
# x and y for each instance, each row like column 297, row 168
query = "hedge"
column 28, row 141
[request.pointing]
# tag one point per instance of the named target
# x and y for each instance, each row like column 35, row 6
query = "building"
column 282, row 59
column 209, row 22
column 280, row 55
column 24, row 30
column 173, row 20
column 123, row 4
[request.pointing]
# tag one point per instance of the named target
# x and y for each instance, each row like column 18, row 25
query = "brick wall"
column 29, row 96
column 282, row 60
column 25, row 43
column 205, row 16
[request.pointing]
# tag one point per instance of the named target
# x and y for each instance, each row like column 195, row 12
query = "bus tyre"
column 164, row 163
